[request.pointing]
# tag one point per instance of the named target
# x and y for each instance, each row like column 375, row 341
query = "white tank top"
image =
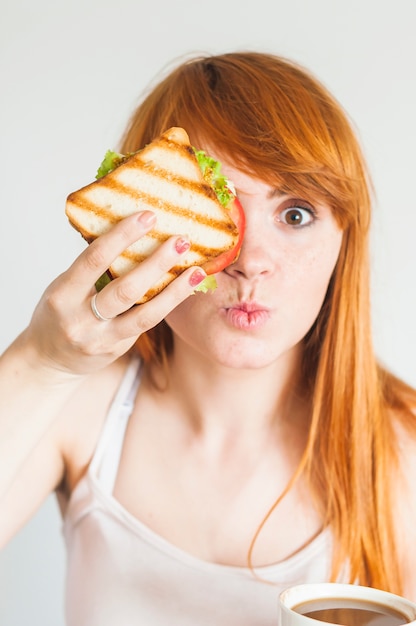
column 121, row 573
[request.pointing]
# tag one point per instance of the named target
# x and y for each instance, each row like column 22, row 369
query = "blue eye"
column 297, row 216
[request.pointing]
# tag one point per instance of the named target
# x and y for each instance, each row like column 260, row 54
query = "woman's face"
column 268, row 299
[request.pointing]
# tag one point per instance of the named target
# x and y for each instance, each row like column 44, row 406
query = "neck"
column 240, row 402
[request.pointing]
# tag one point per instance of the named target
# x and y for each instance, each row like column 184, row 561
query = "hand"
column 64, row 330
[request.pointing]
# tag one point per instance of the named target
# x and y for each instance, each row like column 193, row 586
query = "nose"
column 256, row 256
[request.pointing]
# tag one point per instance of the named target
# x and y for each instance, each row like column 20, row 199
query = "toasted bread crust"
column 165, row 178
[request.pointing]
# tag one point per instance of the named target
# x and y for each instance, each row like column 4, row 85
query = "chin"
column 229, row 347
column 243, row 355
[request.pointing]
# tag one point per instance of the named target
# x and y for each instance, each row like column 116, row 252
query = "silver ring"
column 96, row 312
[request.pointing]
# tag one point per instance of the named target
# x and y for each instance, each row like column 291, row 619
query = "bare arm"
column 30, row 398
column 65, row 343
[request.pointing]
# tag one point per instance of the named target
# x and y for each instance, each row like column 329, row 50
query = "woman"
column 210, row 450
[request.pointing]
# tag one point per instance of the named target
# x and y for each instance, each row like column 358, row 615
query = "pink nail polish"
column 197, row 277
column 182, row 245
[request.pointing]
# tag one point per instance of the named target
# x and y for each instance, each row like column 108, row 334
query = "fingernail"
column 182, row 245
column 147, row 218
column 197, row 277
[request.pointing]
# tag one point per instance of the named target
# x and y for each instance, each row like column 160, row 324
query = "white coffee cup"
column 350, row 605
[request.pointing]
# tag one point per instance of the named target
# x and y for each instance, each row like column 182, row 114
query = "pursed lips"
column 247, row 315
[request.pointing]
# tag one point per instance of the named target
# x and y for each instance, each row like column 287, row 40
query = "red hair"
column 272, row 119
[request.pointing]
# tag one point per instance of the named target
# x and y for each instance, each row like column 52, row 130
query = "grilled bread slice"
column 166, row 178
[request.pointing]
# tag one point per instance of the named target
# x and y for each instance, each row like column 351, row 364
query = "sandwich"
column 184, row 187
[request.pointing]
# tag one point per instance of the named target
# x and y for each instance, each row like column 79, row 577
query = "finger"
column 145, row 316
column 96, row 259
column 123, row 292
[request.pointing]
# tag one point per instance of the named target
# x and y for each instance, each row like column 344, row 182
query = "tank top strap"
column 105, row 462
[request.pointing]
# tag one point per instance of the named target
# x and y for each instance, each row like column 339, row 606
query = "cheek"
column 308, row 273
column 184, row 315
column 326, row 257
column 320, row 265
column 322, row 262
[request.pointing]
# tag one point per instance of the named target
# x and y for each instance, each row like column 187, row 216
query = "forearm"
column 31, row 397
column 65, row 342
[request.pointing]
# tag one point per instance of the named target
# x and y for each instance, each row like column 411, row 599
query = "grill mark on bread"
column 164, row 177
column 201, row 188
column 107, row 213
column 173, row 142
column 201, row 251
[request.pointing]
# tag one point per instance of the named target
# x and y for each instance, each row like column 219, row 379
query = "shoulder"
column 83, row 417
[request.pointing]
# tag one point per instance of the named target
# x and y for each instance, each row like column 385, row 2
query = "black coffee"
column 348, row 612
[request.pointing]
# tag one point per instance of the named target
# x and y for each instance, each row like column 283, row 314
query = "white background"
column 71, row 74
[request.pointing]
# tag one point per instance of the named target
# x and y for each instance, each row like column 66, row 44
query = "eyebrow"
column 273, row 193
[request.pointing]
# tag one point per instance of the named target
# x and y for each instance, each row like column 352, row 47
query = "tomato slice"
column 226, row 258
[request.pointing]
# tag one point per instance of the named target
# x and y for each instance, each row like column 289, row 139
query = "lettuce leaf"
column 211, row 171
column 103, row 281
column 208, row 284
column 110, row 161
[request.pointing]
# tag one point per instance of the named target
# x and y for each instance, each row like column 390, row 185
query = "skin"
column 219, row 445
column 221, row 348
column 269, row 298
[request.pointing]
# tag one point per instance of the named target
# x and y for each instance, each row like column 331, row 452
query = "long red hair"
column 272, row 119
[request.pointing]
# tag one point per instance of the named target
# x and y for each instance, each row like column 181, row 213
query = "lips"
column 247, row 316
